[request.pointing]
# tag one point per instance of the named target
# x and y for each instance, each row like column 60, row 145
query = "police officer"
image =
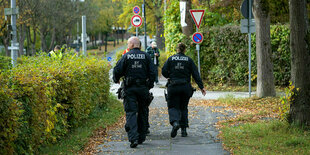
column 137, row 68
column 178, row 69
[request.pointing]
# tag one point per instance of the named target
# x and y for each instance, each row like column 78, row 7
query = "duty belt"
column 177, row 82
column 130, row 81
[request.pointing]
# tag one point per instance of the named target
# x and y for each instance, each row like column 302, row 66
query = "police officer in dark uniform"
column 178, row 69
column 138, row 69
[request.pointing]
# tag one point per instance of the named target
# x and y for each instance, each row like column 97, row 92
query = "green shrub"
column 224, row 54
column 54, row 96
column 5, row 63
column 10, row 111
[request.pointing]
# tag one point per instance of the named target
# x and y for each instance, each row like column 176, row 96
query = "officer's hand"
column 203, row 91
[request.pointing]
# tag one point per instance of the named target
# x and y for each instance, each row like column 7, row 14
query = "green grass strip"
column 77, row 138
column 267, row 137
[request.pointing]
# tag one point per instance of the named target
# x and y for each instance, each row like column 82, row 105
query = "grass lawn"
column 78, row 138
column 266, row 137
column 110, row 48
column 256, row 127
column 236, row 88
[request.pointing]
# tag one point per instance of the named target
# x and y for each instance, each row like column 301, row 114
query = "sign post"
column 197, row 16
column 248, row 26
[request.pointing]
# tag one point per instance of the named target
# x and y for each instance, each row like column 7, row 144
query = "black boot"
column 140, row 141
column 175, row 128
column 134, row 143
column 183, row 132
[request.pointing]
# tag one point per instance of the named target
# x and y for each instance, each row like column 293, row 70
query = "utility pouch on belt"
column 121, row 92
column 128, row 81
column 150, row 98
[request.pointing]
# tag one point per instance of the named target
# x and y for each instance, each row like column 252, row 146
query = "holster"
column 193, row 90
column 166, row 95
column 149, row 99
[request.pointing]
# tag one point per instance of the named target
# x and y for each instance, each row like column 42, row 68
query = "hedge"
column 42, row 99
column 224, row 55
column 5, row 63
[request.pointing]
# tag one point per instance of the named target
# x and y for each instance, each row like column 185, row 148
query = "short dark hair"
column 181, row 47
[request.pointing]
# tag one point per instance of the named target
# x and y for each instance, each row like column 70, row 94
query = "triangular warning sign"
column 197, row 16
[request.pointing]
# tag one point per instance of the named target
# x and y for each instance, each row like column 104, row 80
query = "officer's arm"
column 164, row 70
column 151, row 72
column 196, row 75
column 118, row 70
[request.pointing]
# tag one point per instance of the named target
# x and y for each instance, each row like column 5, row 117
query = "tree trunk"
column 300, row 63
column 117, row 35
column 28, row 41
column 6, row 44
column 52, row 44
column 114, row 44
column 6, row 47
column 265, row 78
column 123, row 32
column 160, row 39
column 188, row 30
column 33, row 44
column 21, row 39
column 106, row 43
column 43, row 39
column 93, row 40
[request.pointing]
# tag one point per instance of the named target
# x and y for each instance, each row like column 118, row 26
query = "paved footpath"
column 202, row 135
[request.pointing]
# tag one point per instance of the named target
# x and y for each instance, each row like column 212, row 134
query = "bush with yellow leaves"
column 42, row 98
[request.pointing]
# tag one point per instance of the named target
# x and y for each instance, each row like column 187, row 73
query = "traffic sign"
column 136, row 10
column 197, row 38
column 245, row 26
column 197, row 16
column 136, row 21
column 245, row 9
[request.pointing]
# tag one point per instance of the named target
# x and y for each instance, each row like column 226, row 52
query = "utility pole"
column 84, row 35
column 13, row 11
column 143, row 14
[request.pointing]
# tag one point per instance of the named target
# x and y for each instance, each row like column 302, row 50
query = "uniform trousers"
column 135, row 106
column 178, row 98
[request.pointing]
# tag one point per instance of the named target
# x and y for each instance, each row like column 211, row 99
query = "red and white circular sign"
column 136, row 21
